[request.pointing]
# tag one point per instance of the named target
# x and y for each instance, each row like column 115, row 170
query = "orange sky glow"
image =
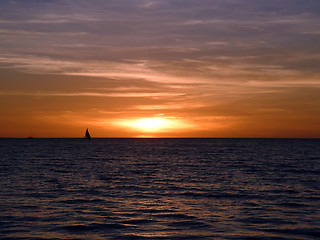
column 160, row 68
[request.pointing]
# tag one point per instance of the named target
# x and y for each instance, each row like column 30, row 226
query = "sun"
column 151, row 124
column 154, row 125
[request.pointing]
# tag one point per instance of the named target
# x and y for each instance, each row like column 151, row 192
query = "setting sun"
column 154, row 124
column 151, row 124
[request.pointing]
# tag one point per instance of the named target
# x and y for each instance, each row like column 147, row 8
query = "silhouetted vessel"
column 87, row 135
column 30, row 136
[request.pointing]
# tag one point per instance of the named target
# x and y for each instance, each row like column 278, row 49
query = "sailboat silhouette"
column 87, row 135
column 31, row 136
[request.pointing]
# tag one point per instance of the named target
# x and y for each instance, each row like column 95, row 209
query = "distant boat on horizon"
column 87, row 135
column 30, row 136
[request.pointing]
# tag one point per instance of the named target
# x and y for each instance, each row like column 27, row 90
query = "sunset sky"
column 160, row 68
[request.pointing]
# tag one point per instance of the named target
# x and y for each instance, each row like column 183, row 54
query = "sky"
column 160, row 68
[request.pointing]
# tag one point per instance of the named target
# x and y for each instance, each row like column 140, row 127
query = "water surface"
column 160, row 189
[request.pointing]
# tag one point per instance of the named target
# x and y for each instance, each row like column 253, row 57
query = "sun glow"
column 151, row 124
column 155, row 124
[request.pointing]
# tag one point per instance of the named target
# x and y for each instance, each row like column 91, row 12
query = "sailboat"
column 31, row 136
column 87, row 135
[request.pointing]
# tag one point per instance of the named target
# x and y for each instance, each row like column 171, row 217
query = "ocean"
column 160, row 189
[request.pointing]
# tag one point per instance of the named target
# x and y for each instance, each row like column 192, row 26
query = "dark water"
column 160, row 189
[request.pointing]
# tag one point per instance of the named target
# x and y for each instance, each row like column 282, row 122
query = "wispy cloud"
column 92, row 94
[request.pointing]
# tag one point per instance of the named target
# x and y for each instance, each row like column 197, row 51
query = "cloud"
column 280, row 69
column 154, row 30
column 92, row 94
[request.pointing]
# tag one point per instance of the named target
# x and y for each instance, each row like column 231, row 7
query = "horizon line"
column 162, row 138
